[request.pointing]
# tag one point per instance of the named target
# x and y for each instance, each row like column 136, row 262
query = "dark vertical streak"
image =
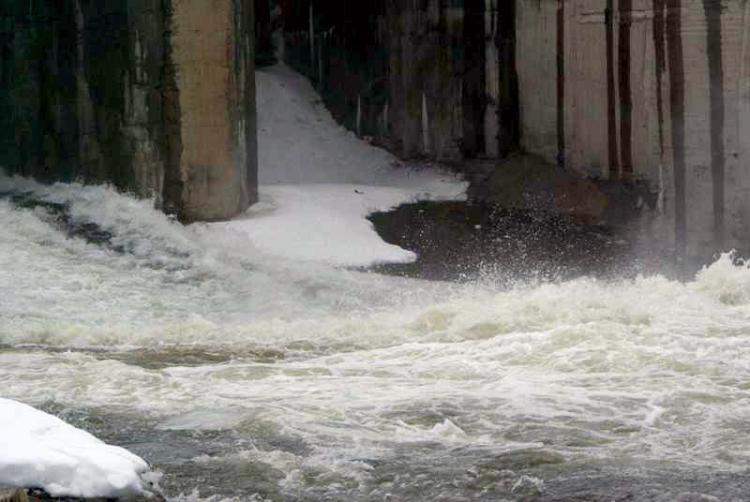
column 41, row 114
column 611, row 112
column 475, row 56
column 172, row 116
column 68, row 126
column 263, row 47
column 509, row 115
column 561, row 83
column 625, row 91
column 712, row 9
column 660, row 56
column 677, row 109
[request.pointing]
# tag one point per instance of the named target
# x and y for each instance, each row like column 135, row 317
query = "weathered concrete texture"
column 651, row 94
column 117, row 92
column 348, row 60
column 425, row 79
column 56, row 124
column 214, row 72
column 536, row 41
column 422, row 78
column 651, row 89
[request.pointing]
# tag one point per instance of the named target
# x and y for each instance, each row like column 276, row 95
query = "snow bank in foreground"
column 38, row 450
column 319, row 181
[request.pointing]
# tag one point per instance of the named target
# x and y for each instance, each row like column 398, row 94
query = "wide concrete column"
column 155, row 98
column 212, row 55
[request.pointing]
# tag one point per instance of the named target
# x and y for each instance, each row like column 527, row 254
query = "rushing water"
column 245, row 377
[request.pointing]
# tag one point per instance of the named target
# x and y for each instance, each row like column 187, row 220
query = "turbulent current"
column 246, row 377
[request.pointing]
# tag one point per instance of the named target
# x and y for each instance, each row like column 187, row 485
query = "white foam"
column 628, row 368
column 354, row 365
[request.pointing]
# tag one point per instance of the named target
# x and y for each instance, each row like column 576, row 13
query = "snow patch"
column 319, row 181
column 38, row 450
column 323, row 223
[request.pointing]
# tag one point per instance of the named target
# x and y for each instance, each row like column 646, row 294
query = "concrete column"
column 212, row 53
column 155, row 98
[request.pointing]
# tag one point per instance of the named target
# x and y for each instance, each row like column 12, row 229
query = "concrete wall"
column 156, row 98
column 348, row 60
column 422, row 78
column 646, row 93
column 653, row 90
column 425, row 76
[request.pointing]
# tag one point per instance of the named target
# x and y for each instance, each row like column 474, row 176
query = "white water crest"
column 321, row 382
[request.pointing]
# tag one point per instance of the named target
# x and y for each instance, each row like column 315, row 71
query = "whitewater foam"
column 346, row 371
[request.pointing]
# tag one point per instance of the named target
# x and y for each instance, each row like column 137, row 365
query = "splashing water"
column 247, row 377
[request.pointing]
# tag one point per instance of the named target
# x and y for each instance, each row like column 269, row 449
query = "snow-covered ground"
column 319, row 181
column 41, row 451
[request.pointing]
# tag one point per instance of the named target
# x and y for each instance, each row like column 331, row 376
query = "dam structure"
column 154, row 97
column 652, row 94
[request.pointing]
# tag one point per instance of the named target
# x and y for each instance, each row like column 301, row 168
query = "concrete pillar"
column 156, row 98
column 212, row 53
column 655, row 91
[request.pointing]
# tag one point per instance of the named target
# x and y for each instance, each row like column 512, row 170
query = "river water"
column 244, row 377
